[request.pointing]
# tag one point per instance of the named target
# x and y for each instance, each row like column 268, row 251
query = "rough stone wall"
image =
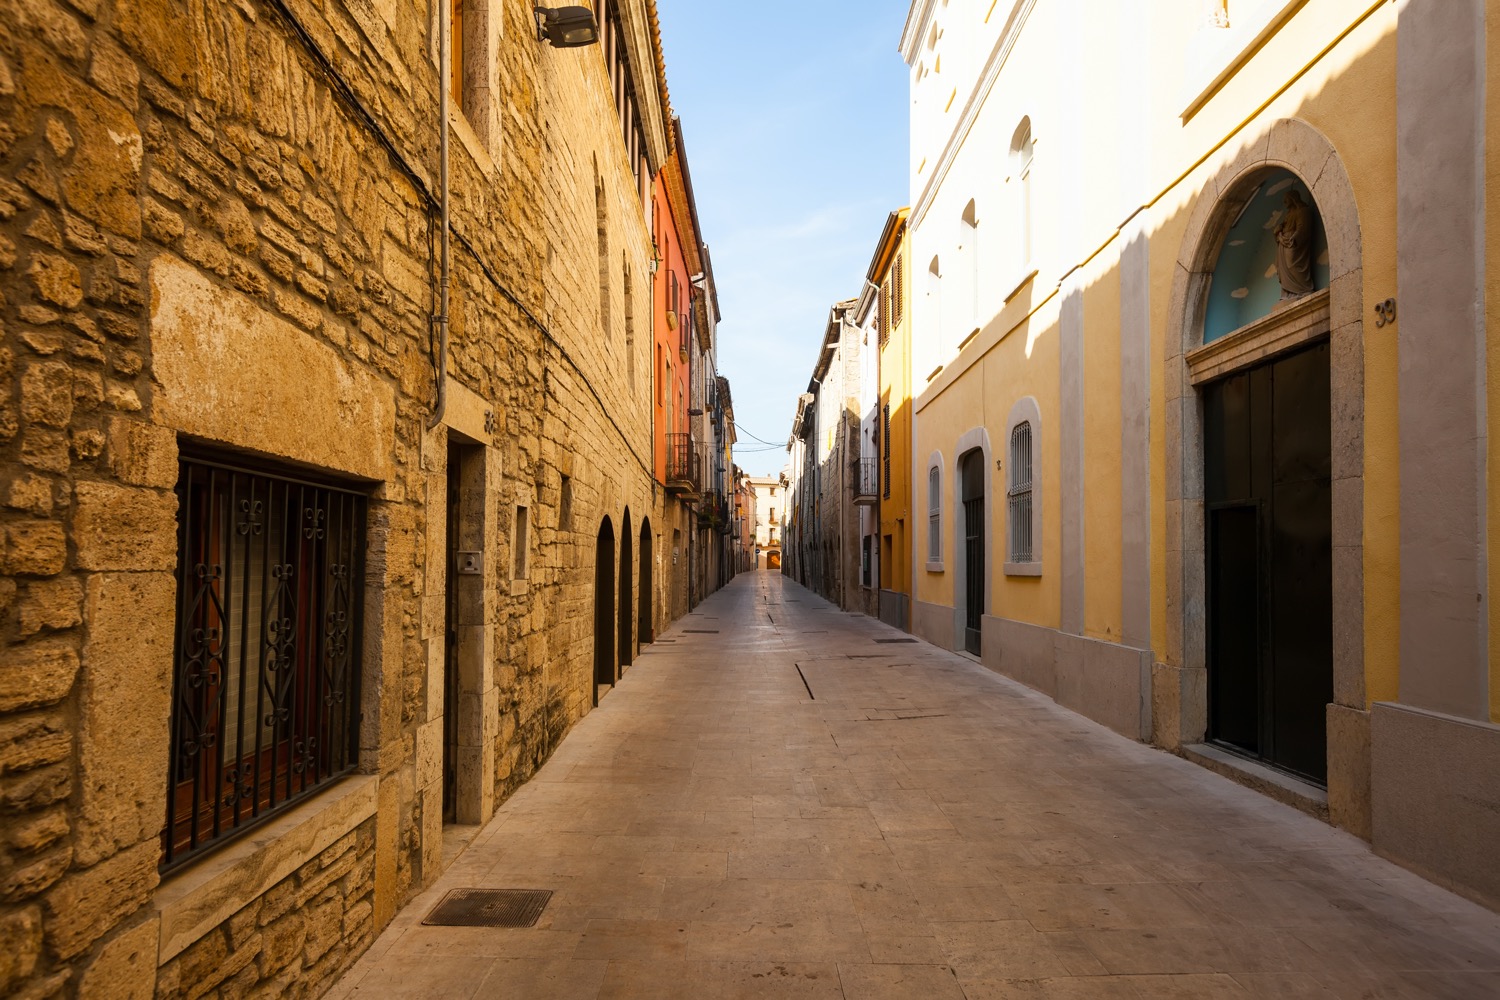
column 291, row 942
column 182, row 173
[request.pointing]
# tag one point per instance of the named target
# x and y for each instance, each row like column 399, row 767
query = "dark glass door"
column 971, row 478
column 1269, row 549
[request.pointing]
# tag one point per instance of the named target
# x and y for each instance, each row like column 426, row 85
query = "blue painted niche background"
column 1243, row 287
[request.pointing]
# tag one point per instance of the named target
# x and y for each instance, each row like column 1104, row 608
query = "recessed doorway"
column 1269, row 548
column 971, row 473
column 645, row 631
column 625, row 635
column 604, row 610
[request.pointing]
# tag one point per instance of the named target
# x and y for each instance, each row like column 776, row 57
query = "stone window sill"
column 471, row 142
column 1023, row 569
column 196, row 899
column 934, row 566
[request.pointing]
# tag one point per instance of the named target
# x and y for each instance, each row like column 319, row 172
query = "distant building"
column 770, row 509
column 824, row 539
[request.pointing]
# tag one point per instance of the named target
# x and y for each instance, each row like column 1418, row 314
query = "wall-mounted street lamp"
column 566, row 27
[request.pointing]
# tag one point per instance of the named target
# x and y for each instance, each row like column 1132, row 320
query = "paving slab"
column 785, row 807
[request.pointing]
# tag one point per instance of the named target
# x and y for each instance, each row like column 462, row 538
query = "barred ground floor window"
column 934, row 515
column 1019, row 497
column 267, row 652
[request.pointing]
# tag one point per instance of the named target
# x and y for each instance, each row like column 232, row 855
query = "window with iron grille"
column 267, row 660
column 1019, row 495
column 934, row 515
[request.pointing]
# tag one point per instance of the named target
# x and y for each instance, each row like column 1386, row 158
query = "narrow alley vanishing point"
column 783, row 799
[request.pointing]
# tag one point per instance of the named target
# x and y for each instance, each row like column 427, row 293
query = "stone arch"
column 1296, row 146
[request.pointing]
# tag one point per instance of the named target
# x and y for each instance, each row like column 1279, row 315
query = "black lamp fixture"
column 566, row 27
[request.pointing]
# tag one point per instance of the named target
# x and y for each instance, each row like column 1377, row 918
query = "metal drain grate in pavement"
column 489, row 908
column 701, row 631
column 895, row 640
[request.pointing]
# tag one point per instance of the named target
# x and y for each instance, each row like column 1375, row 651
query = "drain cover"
column 489, row 908
column 701, row 631
column 895, row 640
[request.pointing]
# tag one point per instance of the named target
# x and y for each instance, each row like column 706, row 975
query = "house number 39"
column 1385, row 313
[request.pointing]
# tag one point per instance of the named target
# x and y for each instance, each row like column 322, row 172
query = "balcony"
column 866, row 481
column 684, row 478
column 713, row 510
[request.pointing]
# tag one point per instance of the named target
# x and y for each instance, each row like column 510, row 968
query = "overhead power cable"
column 746, row 432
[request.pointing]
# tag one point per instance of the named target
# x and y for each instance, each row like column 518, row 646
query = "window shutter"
column 885, row 416
column 898, row 295
column 885, row 313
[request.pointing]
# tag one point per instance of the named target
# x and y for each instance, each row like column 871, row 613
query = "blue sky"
column 795, row 116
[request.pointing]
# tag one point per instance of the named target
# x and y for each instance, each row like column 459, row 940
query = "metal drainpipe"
column 445, row 71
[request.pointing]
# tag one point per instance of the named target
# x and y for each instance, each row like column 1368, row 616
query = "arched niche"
column 1244, row 285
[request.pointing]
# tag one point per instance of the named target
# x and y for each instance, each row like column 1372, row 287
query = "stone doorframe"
column 1180, row 688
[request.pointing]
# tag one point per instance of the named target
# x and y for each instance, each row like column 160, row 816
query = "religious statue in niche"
column 1295, row 235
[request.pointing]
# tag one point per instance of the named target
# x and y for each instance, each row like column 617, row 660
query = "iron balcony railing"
column 866, row 480
column 684, row 476
column 714, row 510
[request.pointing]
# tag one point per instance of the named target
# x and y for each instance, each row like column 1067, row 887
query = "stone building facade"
column 220, row 242
column 824, row 536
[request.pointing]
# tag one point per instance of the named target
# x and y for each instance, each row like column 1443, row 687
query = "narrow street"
column 782, row 799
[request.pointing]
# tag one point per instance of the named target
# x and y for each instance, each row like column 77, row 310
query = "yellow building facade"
column 888, row 270
column 1201, row 446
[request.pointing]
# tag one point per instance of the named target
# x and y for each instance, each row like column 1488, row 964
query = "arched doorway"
column 1267, row 497
column 644, row 630
column 626, row 629
column 1271, row 427
column 971, row 473
column 604, row 610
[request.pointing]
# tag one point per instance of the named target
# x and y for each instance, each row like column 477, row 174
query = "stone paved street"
column 919, row 827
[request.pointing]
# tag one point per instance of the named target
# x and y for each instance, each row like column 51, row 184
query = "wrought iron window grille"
column 1019, row 495
column 266, row 674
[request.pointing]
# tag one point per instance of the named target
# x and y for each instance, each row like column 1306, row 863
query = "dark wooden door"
column 1269, row 548
column 971, row 478
column 450, row 643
